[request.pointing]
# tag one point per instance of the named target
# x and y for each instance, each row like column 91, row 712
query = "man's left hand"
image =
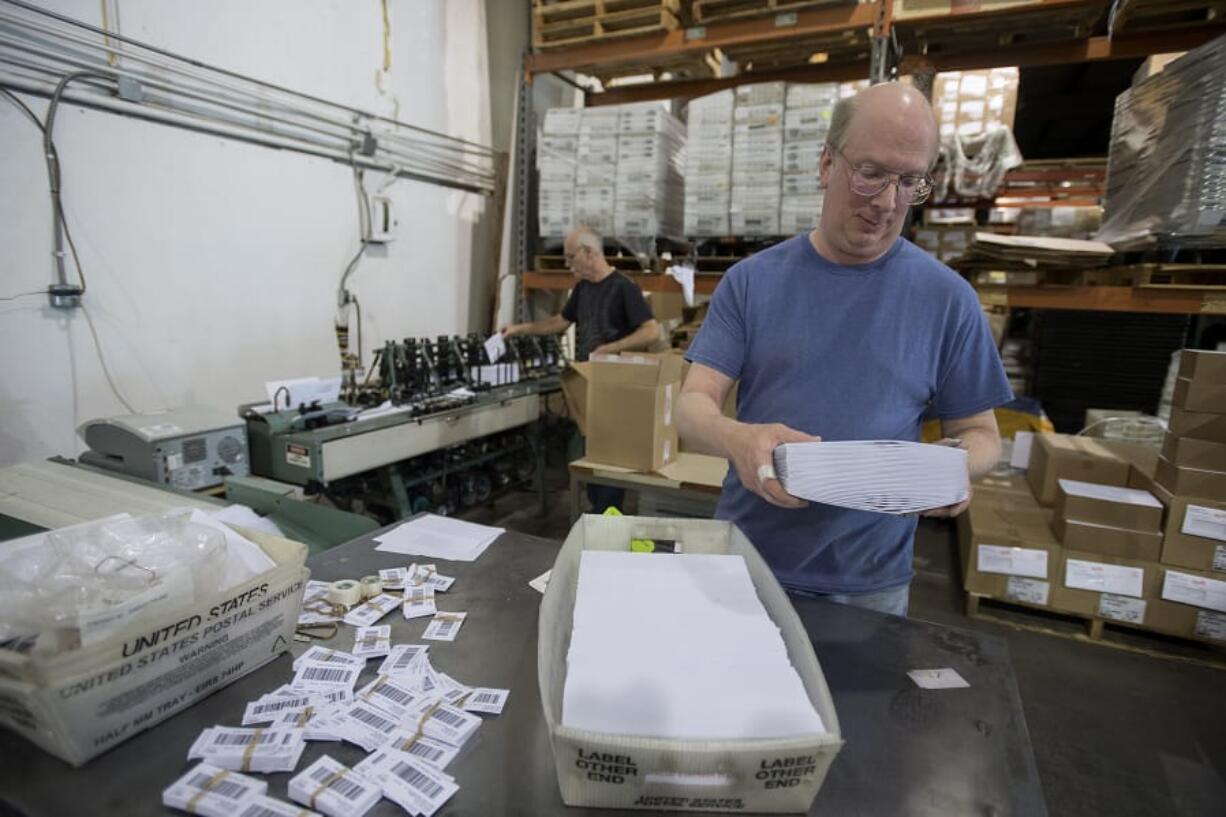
column 950, row 511
column 606, row 349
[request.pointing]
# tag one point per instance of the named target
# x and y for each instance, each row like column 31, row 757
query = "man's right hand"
column 752, row 447
column 511, row 329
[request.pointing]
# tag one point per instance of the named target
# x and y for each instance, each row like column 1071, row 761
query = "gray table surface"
column 908, row 752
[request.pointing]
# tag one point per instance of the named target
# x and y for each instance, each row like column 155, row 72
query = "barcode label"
column 273, row 707
column 417, row 780
column 343, row 786
column 371, row 719
column 240, row 739
column 485, row 698
column 449, row 718
column 229, row 789
column 393, row 693
column 330, row 676
column 257, row 810
column 429, row 753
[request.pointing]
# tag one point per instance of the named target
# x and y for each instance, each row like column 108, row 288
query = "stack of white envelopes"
column 886, row 476
column 679, row 646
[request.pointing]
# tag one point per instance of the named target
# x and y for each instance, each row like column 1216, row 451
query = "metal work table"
column 909, row 751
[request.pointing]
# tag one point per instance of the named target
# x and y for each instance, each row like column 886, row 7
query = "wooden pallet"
column 1158, row 276
column 625, row 263
column 584, row 21
column 1156, row 15
column 1114, row 634
column 711, row 11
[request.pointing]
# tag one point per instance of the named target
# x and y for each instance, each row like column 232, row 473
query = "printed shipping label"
column 1031, row 591
column 1122, row 608
column 1207, row 522
column 1211, row 625
column 1013, row 561
column 1104, row 578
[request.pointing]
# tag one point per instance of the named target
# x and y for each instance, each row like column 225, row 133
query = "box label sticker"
column 668, row 405
column 1104, row 578
column 1012, row 561
column 1198, row 591
column 1122, row 608
column 606, row 767
column 1207, row 522
column 298, row 455
column 1211, row 625
column 1031, row 591
column 1219, row 558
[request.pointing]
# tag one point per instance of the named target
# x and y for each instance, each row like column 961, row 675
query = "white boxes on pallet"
column 711, row 775
column 80, row 703
column 562, row 121
column 812, row 94
column 761, row 93
column 708, row 164
column 799, row 213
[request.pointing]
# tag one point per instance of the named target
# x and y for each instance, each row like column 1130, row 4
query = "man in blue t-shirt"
column 846, row 333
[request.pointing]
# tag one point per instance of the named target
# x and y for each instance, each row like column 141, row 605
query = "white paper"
column 419, row 602
column 245, row 517
column 944, row 678
column 1012, row 561
column 642, row 623
column 1200, row 520
column 372, row 610
column 244, row 558
column 1020, row 456
column 213, row 791
column 439, row 537
column 303, row 390
column 1109, row 493
column 1031, row 591
column 495, row 347
column 886, row 476
column 683, row 274
column 541, row 582
column 444, row 626
column 1211, row 625
column 1199, row 591
column 488, row 701
column 1101, row 577
column 1121, row 608
column 369, row 642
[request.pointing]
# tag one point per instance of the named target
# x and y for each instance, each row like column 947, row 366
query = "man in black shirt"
column 607, row 308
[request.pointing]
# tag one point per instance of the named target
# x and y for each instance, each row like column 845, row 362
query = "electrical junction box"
column 382, row 220
column 188, row 448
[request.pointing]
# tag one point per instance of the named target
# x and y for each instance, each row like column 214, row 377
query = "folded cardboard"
column 1196, row 535
column 1107, row 540
column 1183, row 481
column 1108, row 505
column 1110, row 587
column 79, row 703
column 630, row 410
column 1059, row 456
column 1194, row 453
column 1199, row 395
column 574, row 389
column 1199, row 425
column 1203, row 365
column 619, row 771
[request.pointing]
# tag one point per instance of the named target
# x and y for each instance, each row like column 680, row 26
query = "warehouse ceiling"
column 1064, row 111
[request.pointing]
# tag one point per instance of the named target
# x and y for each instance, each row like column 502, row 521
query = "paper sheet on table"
column 886, row 476
column 684, row 275
column 303, row 390
column 644, row 622
column 245, row 517
column 495, row 347
column 439, row 537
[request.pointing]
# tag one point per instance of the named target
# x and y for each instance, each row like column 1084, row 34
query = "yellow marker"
column 642, row 546
column 611, row 511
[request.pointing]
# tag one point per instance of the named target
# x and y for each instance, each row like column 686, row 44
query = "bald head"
column 583, row 236
column 898, row 110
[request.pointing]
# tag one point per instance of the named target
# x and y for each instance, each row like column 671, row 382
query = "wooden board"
column 625, row 263
column 710, row 11
column 1155, row 15
column 661, row 15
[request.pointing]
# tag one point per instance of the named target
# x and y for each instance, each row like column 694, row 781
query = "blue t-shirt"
column 844, row 353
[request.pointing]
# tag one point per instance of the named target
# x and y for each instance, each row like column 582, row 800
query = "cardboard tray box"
column 1204, row 553
column 1192, row 453
column 80, row 703
column 1203, row 366
column 1059, row 456
column 676, row 774
column 1182, row 481
column 1130, row 511
column 1108, row 541
column 1199, row 425
column 630, row 402
column 1199, row 395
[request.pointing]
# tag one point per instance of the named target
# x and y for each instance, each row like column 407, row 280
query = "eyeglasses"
column 868, row 180
column 570, row 256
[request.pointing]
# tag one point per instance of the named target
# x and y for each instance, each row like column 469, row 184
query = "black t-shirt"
column 605, row 312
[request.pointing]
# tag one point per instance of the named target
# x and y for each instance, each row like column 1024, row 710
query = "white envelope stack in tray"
column 886, row 476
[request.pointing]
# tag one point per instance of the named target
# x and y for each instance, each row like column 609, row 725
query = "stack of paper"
column 249, row 750
column 886, row 476
column 644, row 622
column 439, row 537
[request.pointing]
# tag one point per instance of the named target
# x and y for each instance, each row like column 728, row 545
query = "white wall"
column 212, row 265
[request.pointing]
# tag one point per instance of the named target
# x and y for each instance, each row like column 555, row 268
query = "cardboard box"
column 1124, row 586
column 1007, row 548
column 1142, row 457
column 1194, row 453
column 1109, row 541
column 1108, row 505
column 80, row 703
column 1199, row 395
column 574, row 388
column 1199, row 425
column 711, row 775
column 1182, row 481
column 667, row 306
column 1203, row 365
column 1185, row 621
column 1143, row 481
column 1014, row 484
column 1196, row 535
column 1194, row 588
column 1060, row 456
column 630, row 410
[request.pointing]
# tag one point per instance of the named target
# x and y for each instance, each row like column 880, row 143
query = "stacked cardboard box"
column 1193, row 462
column 1007, row 547
column 970, row 103
column 629, row 405
column 708, row 165
column 596, row 169
column 556, row 155
column 650, row 158
column 757, row 158
column 806, row 122
column 1058, row 456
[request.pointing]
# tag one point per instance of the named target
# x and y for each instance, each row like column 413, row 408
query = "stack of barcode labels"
column 410, row 718
column 886, row 476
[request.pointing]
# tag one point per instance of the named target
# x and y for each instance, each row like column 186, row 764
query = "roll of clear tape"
column 371, row 586
column 346, row 592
